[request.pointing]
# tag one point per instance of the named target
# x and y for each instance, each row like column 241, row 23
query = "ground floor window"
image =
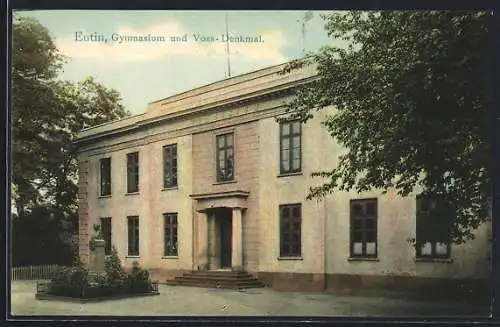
column 290, row 230
column 170, row 235
column 133, row 235
column 363, row 240
column 106, row 234
column 434, row 219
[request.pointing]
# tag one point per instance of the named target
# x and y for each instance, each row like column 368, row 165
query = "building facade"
column 208, row 179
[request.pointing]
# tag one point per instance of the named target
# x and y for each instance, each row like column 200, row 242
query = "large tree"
column 413, row 98
column 47, row 113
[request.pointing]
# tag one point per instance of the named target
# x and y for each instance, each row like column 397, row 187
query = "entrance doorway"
column 224, row 217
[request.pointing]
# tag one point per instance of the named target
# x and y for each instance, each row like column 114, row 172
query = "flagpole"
column 303, row 38
column 227, row 48
column 307, row 17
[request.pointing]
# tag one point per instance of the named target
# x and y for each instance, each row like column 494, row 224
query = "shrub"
column 99, row 286
column 115, row 274
column 71, row 281
column 139, row 279
column 78, row 282
column 60, row 283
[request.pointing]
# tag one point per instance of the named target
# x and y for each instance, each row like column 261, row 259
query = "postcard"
column 250, row 163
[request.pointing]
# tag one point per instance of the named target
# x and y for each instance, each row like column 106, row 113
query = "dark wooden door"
column 225, row 242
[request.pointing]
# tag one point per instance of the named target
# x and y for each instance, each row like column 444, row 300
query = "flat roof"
column 217, row 93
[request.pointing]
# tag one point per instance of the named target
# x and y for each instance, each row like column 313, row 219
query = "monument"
column 97, row 253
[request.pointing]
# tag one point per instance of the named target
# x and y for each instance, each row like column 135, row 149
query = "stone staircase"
column 217, row 279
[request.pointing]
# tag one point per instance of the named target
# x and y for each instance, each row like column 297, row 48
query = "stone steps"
column 217, row 279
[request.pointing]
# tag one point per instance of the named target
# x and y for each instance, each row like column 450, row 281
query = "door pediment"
column 230, row 199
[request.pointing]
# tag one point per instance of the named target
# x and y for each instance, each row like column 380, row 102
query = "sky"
column 146, row 71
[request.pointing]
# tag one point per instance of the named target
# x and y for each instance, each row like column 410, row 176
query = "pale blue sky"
column 146, row 71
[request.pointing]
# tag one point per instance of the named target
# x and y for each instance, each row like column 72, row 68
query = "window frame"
column 418, row 222
column 290, row 137
column 107, row 240
column 291, row 231
column 225, row 148
column 105, row 177
column 133, row 172
column 133, row 240
column 170, row 229
column 363, row 230
column 170, row 165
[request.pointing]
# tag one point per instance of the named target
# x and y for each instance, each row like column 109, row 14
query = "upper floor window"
column 434, row 218
column 133, row 172
column 105, row 170
column 290, row 147
column 225, row 157
column 363, row 228
column 290, row 230
column 170, row 165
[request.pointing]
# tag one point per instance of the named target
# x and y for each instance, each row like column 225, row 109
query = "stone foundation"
column 162, row 275
column 292, row 282
column 475, row 290
column 421, row 287
column 413, row 285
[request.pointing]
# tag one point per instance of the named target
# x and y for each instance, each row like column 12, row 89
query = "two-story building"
column 208, row 179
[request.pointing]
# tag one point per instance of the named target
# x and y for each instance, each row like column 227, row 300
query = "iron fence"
column 34, row 272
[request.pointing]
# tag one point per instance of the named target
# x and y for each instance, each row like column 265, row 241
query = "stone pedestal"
column 97, row 256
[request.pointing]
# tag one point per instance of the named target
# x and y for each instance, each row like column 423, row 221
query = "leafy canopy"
column 413, row 98
column 47, row 113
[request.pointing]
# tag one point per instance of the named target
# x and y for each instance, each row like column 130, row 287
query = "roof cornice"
column 90, row 135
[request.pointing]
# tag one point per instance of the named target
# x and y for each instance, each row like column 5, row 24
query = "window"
column 170, row 166
column 290, row 230
column 225, row 157
column 434, row 218
column 170, row 235
column 133, row 235
column 105, row 168
column 133, row 172
column 290, row 147
column 363, row 241
column 106, row 233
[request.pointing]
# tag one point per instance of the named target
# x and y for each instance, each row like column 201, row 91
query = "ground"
column 191, row 301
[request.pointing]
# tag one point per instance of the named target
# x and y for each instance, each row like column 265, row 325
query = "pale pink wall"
column 246, row 150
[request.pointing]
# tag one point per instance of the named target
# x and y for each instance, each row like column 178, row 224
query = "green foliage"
column 47, row 114
column 37, row 239
column 79, row 282
column 115, row 274
column 139, row 279
column 71, row 282
column 413, row 97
